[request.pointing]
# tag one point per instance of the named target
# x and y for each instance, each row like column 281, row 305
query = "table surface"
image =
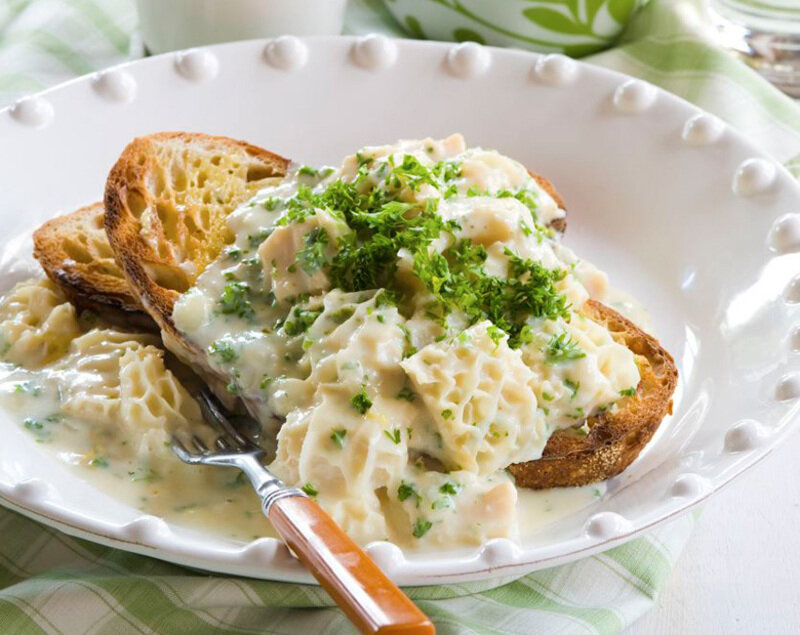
column 740, row 571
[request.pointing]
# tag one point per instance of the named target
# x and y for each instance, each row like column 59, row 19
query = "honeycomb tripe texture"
column 481, row 398
column 37, row 324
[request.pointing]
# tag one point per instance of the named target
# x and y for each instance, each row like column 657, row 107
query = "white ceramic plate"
column 679, row 209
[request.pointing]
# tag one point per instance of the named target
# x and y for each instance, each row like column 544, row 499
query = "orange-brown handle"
column 371, row 601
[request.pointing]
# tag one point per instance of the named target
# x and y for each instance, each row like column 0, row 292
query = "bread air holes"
column 191, row 225
column 77, row 251
column 257, row 173
column 167, row 277
column 204, row 218
column 179, row 180
column 102, row 249
column 136, row 203
column 168, row 217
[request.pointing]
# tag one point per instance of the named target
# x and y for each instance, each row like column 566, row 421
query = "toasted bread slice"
column 166, row 202
column 616, row 438
column 559, row 224
column 75, row 254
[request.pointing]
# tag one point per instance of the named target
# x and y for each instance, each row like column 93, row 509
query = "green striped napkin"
column 52, row 583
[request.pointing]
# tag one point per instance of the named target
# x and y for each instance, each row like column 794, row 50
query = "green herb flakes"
column 337, row 436
column 361, row 401
column 562, row 348
column 309, row 489
column 421, row 527
column 394, row 435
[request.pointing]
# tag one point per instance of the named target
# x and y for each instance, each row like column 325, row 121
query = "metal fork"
column 369, row 599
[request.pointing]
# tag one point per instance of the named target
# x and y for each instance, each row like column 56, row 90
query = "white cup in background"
column 168, row 25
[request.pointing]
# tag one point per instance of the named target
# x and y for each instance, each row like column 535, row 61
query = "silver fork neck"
column 268, row 486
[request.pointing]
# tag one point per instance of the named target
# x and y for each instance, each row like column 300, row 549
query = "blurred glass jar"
column 765, row 33
column 168, row 25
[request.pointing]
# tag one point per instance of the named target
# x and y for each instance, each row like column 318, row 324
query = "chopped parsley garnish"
column 421, row 527
column 361, row 402
column 342, row 314
column 29, row 388
column 234, row 253
column 300, row 320
column 407, row 394
column 457, row 279
column 410, row 173
column 450, row 488
column 311, row 257
column 579, row 413
column 382, row 226
column 628, row 392
column 573, row 386
column 562, row 348
column 309, row 489
column 385, row 298
column 495, row 334
column 224, row 350
column 233, row 388
column 447, row 414
column 271, row 204
column 99, row 461
column 254, row 240
column 307, row 170
column 337, row 436
column 394, row 435
column 406, row 491
column 32, row 424
column 235, row 300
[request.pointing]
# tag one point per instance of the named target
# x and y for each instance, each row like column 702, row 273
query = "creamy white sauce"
column 366, row 388
column 209, row 499
column 399, row 424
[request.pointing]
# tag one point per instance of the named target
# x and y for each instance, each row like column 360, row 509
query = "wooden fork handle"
column 371, row 601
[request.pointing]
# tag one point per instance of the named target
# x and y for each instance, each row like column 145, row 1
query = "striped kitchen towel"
column 52, row 583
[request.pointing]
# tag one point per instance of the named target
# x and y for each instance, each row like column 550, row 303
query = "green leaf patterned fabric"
column 52, row 583
column 575, row 27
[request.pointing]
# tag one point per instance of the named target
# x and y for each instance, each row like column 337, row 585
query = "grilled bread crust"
column 166, row 201
column 559, row 224
column 74, row 253
column 615, row 437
